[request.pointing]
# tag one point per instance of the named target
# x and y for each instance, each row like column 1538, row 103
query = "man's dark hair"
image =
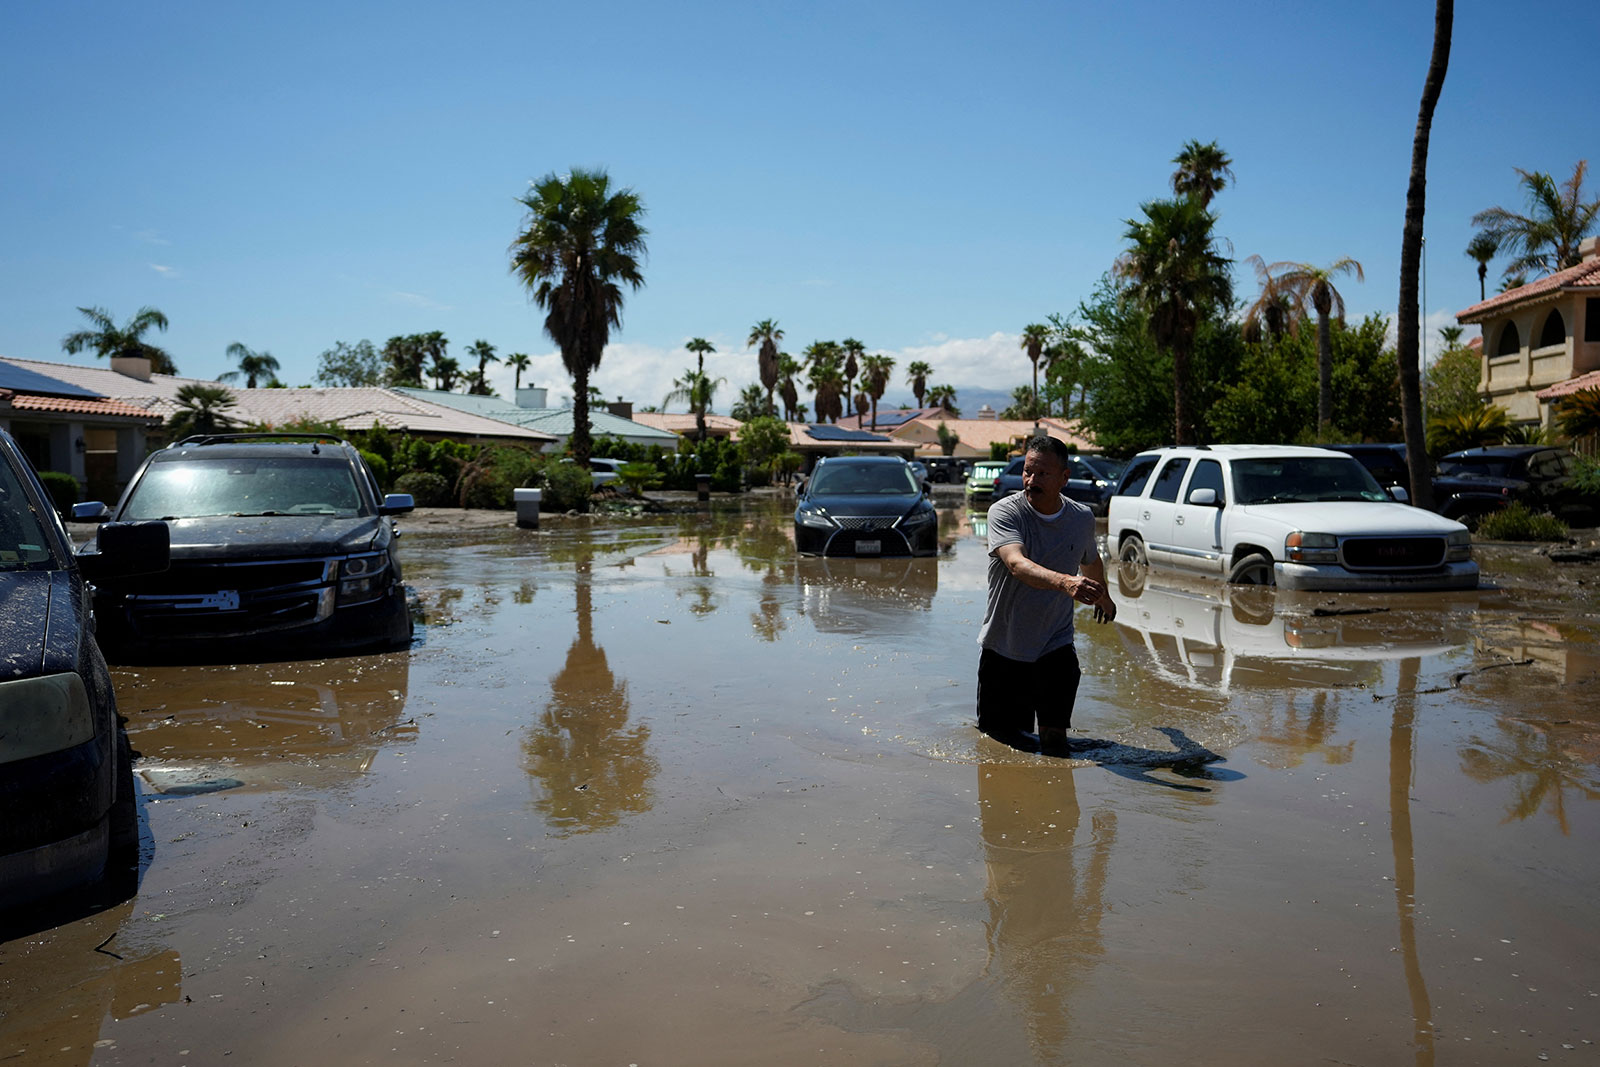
column 1050, row 446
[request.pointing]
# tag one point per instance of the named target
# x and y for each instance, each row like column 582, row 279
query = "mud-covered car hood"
column 274, row 536
column 1352, row 518
column 40, row 624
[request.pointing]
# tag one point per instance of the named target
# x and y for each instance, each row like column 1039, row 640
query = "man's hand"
column 1086, row 590
column 1105, row 610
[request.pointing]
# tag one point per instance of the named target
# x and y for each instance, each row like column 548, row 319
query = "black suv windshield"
column 198, row 486
column 1302, row 480
column 1482, row 467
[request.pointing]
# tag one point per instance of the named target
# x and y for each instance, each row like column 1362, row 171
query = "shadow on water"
column 1188, row 759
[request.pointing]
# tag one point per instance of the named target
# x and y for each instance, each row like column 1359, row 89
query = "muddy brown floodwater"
column 656, row 792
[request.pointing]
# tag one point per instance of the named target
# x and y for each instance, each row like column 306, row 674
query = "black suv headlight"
column 815, row 518
column 363, row 578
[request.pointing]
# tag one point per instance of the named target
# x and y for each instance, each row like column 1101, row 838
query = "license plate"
column 869, row 548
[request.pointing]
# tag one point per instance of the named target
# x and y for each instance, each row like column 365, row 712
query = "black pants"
column 1012, row 693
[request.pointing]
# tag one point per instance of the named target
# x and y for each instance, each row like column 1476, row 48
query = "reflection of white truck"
column 1302, row 518
column 1217, row 642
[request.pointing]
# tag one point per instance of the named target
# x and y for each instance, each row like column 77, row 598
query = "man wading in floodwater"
column 1038, row 543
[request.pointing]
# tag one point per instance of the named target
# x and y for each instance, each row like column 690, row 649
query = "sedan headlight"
column 43, row 715
column 920, row 517
column 1311, row 547
column 363, row 578
column 1458, row 546
column 815, row 518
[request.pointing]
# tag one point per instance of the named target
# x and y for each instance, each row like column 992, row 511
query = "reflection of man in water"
column 1039, row 541
column 1046, row 893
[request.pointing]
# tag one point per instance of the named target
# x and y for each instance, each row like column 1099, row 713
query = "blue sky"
column 928, row 178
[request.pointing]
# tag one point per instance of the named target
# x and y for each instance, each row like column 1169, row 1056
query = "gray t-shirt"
column 1021, row 622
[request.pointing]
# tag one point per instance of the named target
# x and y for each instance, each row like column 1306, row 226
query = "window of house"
column 1591, row 319
column 1554, row 332
column 1510, row 341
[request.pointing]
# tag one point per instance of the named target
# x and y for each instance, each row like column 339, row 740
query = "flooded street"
column 656, row 791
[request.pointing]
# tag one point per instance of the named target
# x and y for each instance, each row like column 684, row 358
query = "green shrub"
column 380, row 468
column 485, row 488
column 1586, row 475
column 63, row 489
column 566, row 487
column 1515, row 522
column 637, row 477
column 429, row 490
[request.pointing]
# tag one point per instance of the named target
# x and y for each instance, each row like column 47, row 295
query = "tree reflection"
column 1300, row 733
column 1044, row 905
column 1542, row 769
column 1402, row 746
column 593, row 769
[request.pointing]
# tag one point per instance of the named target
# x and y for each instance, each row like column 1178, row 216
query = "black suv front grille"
column 1393, row 553
column 197, row 578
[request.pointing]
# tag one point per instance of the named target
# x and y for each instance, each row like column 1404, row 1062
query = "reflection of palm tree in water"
column 1301, row 734
column 592, row 767
column 1402, row 743
column 1044, row 913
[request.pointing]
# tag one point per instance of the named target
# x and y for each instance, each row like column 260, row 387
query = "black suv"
column 1478, row 480
column 66, row 772
column 1086, row 483
column 279, row 541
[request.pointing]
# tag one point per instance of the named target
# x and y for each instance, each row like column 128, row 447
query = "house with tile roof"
column 529, row 412
column 97, row 422
column 975, row 437
column 1541, row 341
column 684, row 426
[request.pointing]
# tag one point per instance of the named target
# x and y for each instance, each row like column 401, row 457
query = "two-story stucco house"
column 1541, row 341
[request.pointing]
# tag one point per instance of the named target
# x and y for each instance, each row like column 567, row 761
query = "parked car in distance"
column 1085, row 483
column 278, row 541
column 1479, row 480
column 66, row 771
column 919, row 471
column 947, row 470
column 980, row 481
column 1300, row 518
column 602, row 471
column 1110, row 469
column 1386, row 463
column 865, row 506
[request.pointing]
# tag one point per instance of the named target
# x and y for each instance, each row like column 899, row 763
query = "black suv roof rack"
column 246, row 438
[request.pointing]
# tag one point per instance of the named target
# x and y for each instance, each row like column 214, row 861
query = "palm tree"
column 581, row 243
column 405, row 357
column 1408, row 328
column 1306, row 284
column 1578, row 414
column 766, row 334
column 483, row 352
column 1546, row 239
column 828, row 385
column 788, row 368
column 696, row 390
column 1451, row 336
column 446, row 371
column 853, row 350
column 875, row 372
column 1034, row 338
column 202, row 409
column 917, row 376
column 700, row 347
column 252, row 365
column 1483, row 247
column 1174, row 270
column 753, row 403
column 518, row 362
column 1276, row 311
column 108, row 340
column 944, row 397
column 863, row 403
column 1203, row 171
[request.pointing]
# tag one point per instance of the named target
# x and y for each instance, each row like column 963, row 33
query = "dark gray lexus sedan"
column 865, row 506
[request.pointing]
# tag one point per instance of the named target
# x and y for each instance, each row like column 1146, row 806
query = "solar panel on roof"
column 828, row 432
column 22, row 380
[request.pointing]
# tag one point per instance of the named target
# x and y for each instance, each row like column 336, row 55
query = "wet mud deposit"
column 656, row 791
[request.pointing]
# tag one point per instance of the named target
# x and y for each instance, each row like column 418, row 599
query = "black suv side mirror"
column 128, row 548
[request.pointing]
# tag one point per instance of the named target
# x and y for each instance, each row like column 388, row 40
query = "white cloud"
column 1432, row 343
column 417, row 300
column 165, row 272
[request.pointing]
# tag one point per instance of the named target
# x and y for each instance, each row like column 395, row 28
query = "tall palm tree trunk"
column 1407, row 327
column 580, row 442
column 1324, row 375
column 1182, row 431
